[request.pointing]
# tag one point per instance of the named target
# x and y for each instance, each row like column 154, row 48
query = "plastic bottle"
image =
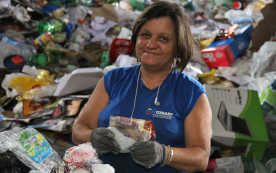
column 189, row 5
column 59, row 37
column 43, row 39
column 54, row 25
column 105, row 59
column 138, row 4
column 40, row 59
column 225, row 3
column 239, row 4
column 88, row 3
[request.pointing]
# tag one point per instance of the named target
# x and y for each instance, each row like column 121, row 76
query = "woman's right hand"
column 103, row 140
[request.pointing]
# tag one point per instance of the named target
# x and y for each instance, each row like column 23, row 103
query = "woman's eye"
column 145, row 35
column 164, row 39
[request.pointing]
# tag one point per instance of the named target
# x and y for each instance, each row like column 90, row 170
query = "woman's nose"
column 151, row 43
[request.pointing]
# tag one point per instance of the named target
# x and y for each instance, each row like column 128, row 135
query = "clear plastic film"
column 137, row 129
column 31, row 148
column 127, row 131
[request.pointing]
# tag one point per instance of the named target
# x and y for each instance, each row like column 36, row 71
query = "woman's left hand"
column 148, row 153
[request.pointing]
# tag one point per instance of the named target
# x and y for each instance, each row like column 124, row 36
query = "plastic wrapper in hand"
column 137, row 129
column 81, row 156
column 124, row 142
column 31, row 148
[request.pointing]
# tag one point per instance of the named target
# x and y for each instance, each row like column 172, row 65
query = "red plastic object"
column 218, row 56
column 237, row 5
column 119, row 46
column 17, row 60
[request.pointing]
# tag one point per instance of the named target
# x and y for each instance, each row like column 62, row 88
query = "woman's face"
column 156, row 43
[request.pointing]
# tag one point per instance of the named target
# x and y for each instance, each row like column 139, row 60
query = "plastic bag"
column 81, row 156
column 31, row 148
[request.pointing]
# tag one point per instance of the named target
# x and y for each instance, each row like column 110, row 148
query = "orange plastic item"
column 30, row 106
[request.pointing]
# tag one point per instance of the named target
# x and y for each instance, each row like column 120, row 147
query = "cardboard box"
column 218, row 56
column 238, row 120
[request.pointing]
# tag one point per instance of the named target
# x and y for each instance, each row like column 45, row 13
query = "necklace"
column 156, row 101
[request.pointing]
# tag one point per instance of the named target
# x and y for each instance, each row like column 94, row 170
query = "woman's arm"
column 88, row 117
column 198, row 133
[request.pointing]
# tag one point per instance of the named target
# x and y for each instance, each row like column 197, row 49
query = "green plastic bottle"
column 105, row 59
column 57, row 2
column 40, row 60
column 54, row 25
column 138, row 4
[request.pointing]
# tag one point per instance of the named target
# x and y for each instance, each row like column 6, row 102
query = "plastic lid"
column 17, row 60
column 237, row 5
column 14, row 62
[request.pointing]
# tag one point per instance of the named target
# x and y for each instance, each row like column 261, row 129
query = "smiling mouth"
column 152, row 53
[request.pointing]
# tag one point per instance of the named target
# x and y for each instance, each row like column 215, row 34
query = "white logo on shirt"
column 161, row 114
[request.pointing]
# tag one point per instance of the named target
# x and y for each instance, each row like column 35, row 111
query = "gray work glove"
column 148, row 153
column 103, row 140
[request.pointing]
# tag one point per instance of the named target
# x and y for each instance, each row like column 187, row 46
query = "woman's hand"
column 148, row 153
column 103, row 140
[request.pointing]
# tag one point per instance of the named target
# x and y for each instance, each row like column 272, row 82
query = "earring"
column 175, row 61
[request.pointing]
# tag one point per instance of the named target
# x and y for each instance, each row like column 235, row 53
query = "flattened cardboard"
column 238, row 120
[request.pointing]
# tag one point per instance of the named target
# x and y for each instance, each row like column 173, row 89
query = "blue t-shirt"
column 178, row 94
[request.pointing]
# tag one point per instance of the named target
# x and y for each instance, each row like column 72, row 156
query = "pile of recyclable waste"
column 53, row 52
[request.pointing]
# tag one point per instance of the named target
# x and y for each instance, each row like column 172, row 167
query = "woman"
column 154, row 90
